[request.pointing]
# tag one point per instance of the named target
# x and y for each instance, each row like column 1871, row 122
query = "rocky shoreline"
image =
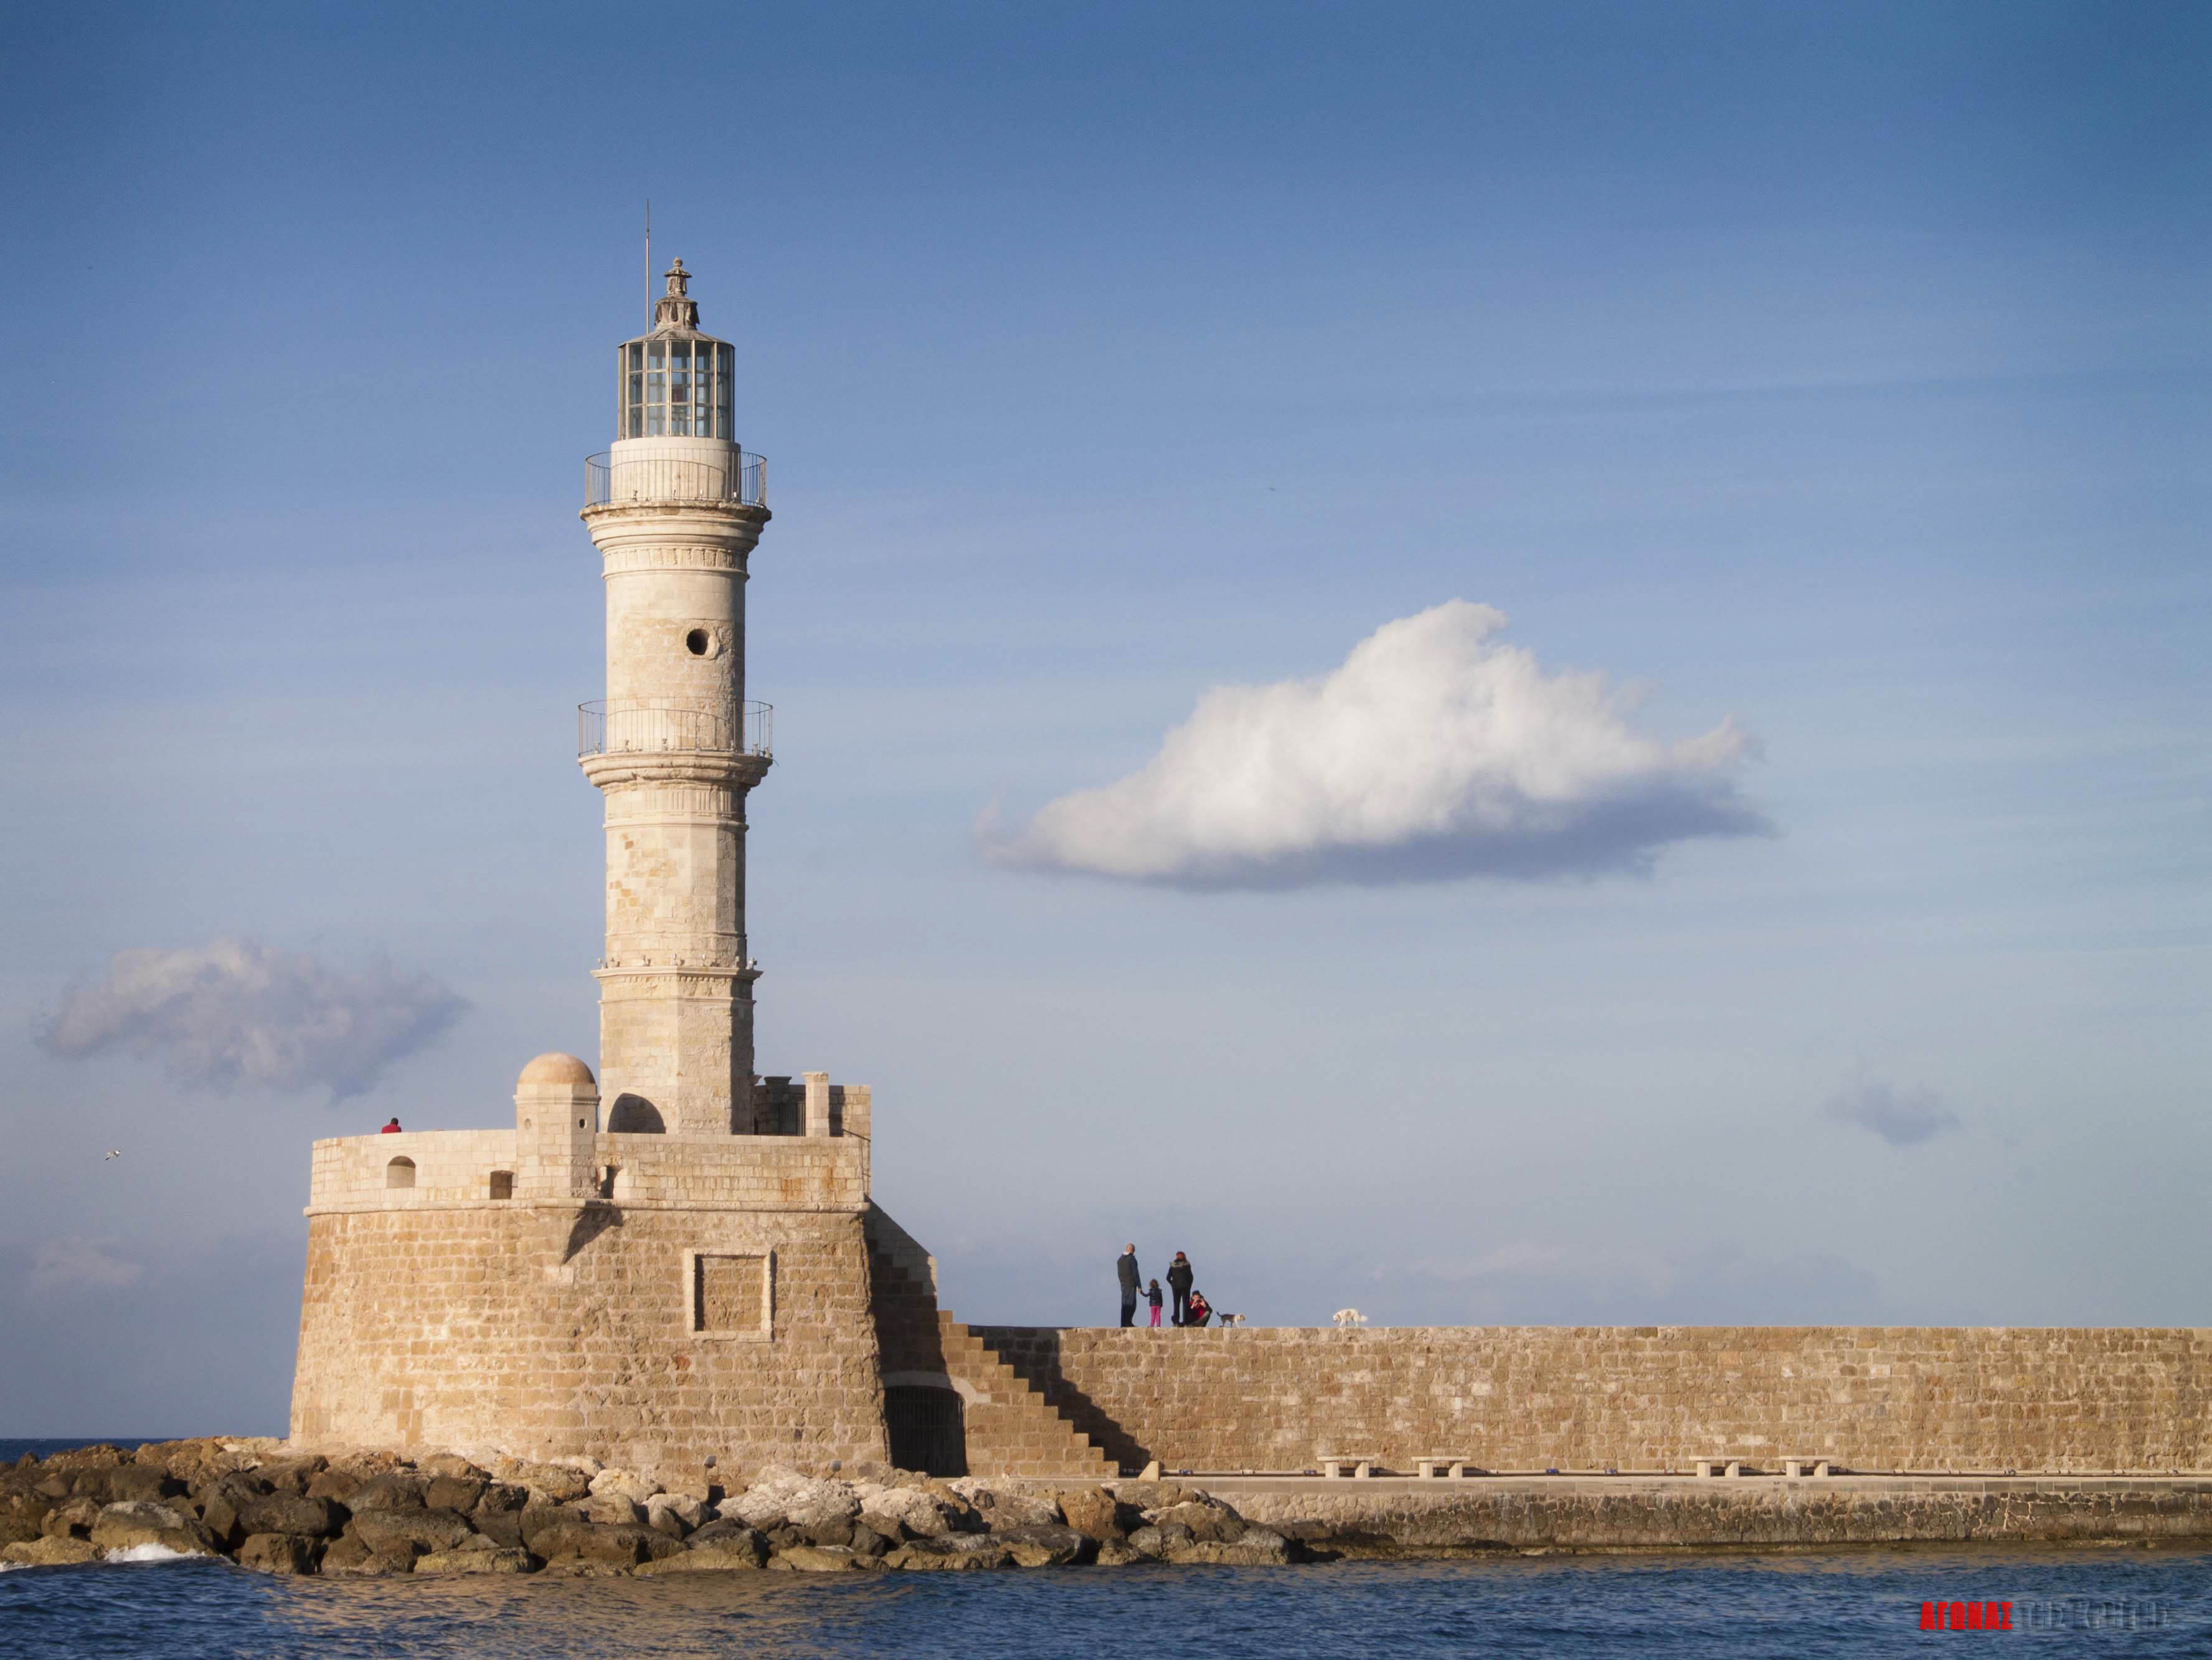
column 265, row 1507
column 270, row 1506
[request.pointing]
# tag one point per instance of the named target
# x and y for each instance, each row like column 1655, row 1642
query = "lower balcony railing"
column 739, row 481
column 631, row 726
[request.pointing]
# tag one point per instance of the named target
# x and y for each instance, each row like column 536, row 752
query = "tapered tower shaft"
column 675, row 508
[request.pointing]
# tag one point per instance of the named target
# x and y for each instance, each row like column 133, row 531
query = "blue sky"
column 1841, row 372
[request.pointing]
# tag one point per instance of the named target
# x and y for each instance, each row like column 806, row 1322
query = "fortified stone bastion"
column 692, row 1269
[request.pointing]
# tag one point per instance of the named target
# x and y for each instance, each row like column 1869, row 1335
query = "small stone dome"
column 555, row 1068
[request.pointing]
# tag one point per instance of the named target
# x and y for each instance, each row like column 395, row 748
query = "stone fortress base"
column 658, row 1301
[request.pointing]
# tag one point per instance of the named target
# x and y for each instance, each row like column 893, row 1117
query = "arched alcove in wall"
column 633, row 1115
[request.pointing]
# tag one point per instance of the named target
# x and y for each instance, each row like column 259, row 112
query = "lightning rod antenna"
column 649, row 264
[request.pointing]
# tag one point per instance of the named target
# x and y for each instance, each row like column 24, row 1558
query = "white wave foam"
column 151, row 1552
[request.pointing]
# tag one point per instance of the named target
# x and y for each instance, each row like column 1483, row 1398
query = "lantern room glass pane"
column 679, row 388
column 724, row 359
column 656, row 388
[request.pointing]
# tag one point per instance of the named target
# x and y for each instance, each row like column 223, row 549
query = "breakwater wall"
column 1644, row 1398
column 1600, row 1513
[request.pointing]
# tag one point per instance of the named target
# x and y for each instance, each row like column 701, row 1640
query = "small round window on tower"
column 698, row 642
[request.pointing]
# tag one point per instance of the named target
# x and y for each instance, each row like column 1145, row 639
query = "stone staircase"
column 1008, row 1425
column 1012, row 1429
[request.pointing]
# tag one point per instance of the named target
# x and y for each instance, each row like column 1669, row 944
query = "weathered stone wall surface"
column 547, row 1330
column 1634, row 1398
column 1601, row 1513
column 455, row 1166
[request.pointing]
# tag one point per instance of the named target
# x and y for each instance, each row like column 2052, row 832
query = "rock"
column 135, row 1482
column 1093, row 1511
column 23, row 1515
column 633, row 1487
column 612, row 1509
column 908, row 1512
column 290, row 1476
column 457, row 1493
column 282, row 1512
column 502, row 1527
column 1007, row 1508
column 136, row 1522
column 1155, row 1542
column 277, row 1553
column 802, row 1501
column 50, row 1552
column 454, row 1467
column 555, row 1484
column 222, row 1503
column 571, row 1538
column 349, row 1558
column 956, row 1553
column 1116, row 1553
column 101, row 1455
column 674, row 1513
column 1154, row 1495
column 499, row 1559
column 740, row 1548
column 416, row 1531
column 1025, row 1509
column 71, row 1519
column 1253, row 1547
column 1209, row 1523
column 1044, row 1545
column 819, row 1559
column 395, row 1490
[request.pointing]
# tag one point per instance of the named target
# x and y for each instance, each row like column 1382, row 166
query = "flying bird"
column 115, row 1153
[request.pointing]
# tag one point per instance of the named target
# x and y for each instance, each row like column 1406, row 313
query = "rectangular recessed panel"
column 728, row 1294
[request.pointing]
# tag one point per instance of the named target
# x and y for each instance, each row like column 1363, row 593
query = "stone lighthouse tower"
column 675, row 507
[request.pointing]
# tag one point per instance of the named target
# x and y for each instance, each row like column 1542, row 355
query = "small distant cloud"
column 235, row 1013
column 1433, row 752
column 1902, row 1117
column 76, row 1263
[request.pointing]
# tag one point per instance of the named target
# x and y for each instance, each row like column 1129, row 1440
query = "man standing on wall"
column 1125, row 1265
column 1179, row 1278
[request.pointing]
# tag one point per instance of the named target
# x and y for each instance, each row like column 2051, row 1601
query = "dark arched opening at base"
column 633, row 1115
column 925, row 1429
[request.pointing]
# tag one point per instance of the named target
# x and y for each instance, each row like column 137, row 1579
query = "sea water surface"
column 2093, row 1602
column 1867, row 1602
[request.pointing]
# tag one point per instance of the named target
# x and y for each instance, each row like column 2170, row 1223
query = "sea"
column 1862, row 1603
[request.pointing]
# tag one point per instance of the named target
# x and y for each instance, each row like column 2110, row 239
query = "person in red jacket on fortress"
column 392, row 1128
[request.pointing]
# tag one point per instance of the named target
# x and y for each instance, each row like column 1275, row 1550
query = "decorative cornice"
column 713, row 767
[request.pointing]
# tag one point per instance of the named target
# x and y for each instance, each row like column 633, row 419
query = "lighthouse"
column 675, row 508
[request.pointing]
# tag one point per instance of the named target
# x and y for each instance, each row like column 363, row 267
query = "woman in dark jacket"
column 1179, row 1278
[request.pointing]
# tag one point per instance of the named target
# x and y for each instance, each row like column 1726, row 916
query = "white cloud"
column 75, row 1263
column 1434, row 752
column 1902, row 1117
column 235, row 1012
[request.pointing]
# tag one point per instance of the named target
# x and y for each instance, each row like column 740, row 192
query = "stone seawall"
column 1598, row 1513
column 1647, row 1398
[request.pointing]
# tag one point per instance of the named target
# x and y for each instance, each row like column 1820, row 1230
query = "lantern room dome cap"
column 676, row 313
column 555, row 1068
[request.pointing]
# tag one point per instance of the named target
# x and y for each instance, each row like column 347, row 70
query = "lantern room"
column 674, row 382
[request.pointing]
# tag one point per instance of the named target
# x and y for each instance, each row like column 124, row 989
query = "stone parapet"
column 1634, row 1398
column 445, row 1168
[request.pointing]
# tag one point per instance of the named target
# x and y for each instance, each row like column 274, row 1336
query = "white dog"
column 1345, row 1317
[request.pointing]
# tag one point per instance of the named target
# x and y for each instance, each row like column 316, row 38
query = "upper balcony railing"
column 637, row 726
column 652, row 481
